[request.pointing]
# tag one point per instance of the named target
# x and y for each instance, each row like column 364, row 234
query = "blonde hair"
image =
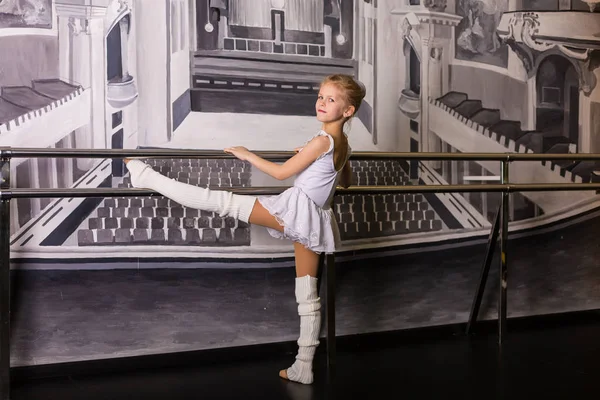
column 354, row 91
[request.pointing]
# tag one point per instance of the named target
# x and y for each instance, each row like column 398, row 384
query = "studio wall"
column 109, row 277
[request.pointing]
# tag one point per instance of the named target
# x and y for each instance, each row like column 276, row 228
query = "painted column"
column 530, row 119
column 424, row 126
column 34, row 177
column 594, row 118
column 152, row 53
column 81, row 49
column 130, row 112
column 589, row 117
column 98, row 83
column 565, row 4
column 515, row 5
column 79, row 73
column 64, row 48
column 516, row 70
column 124, row 27
column 432, row 80
column 436, row 50
column 66, row 179
column 435, row 55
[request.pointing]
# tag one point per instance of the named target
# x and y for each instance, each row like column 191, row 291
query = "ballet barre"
column 500, row 227
column 32, row 152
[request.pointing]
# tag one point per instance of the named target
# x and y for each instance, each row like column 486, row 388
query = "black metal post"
column 503, row 257
column 330, row 261
column 320, row 272
column 4, row 278
column 485, row 269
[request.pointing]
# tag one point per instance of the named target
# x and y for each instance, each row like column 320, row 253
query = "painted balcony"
column 121, row 92
column 543, row 30
column 27, row 112
column 532, row 33
column 409, row 103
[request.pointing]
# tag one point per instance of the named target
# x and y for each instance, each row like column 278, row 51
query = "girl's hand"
column 239, row 151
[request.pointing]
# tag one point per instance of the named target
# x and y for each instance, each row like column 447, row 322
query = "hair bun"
column 362, row 85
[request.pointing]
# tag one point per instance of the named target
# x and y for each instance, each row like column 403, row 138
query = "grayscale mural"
column 26, row 13
column 108, row 277
column 476, row 38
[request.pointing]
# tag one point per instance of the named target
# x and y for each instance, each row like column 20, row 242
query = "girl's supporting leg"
column 309, row 303
column 309, row 309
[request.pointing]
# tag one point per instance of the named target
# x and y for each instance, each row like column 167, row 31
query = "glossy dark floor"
column 542, row 358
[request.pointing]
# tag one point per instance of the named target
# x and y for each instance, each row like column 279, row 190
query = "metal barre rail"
column 22, row 152
column 267, row 190
column 500, row 227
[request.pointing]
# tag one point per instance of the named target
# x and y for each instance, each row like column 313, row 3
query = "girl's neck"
column 335, row 129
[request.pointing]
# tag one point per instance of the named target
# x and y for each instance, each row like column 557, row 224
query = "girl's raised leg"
column 309, row 309
column 222, row 202
column 260, row 216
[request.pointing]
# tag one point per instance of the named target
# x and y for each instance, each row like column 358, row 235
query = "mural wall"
column 476, row 38
column 24, row 14
column 106, row 277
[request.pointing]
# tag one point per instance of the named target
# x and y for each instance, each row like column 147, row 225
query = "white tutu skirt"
column 303, row 221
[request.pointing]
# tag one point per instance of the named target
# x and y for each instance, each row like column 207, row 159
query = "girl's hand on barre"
column 240, row 152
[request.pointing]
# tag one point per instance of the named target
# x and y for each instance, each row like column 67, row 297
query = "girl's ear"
column 349, row 112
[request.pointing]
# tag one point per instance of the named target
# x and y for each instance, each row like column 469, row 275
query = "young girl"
column 301, row 213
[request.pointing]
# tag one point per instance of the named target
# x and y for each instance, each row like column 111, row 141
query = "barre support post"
column 4, row 276
column 502, row 301
column 485, row 269
column 330, row 267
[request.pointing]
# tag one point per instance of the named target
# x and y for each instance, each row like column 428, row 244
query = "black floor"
column 552, row 357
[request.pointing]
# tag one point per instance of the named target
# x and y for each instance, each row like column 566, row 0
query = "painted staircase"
column 468, row 126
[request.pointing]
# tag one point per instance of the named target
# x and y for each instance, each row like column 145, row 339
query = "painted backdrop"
column 106, row 277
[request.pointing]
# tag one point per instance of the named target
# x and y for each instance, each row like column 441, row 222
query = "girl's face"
column 331, row 105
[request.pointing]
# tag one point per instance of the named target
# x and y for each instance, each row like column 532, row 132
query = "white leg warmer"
column 220, row 201
column 309, row 309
